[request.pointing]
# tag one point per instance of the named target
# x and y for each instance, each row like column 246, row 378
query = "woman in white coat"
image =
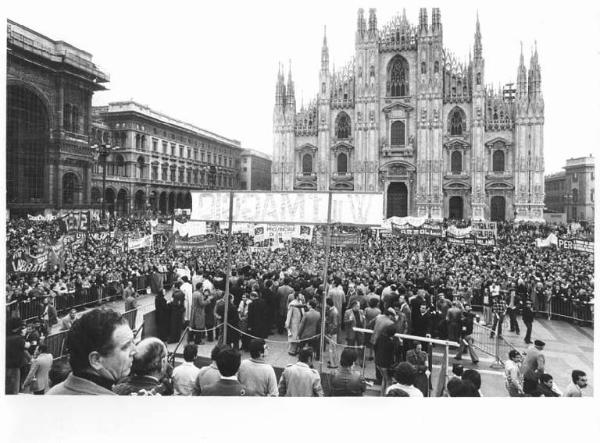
column 292, row 322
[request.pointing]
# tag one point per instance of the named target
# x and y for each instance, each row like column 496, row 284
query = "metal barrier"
column 487, row 341
column 140, row 284
column 131, row 316
column 56, row 344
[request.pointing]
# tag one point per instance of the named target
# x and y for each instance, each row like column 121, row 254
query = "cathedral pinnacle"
column 478, row 47
column 325, row 52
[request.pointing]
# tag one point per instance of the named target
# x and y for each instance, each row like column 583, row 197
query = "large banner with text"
column 289, row 207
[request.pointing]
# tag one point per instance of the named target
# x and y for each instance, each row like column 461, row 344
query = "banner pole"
column 325, row 272
column 226, row 305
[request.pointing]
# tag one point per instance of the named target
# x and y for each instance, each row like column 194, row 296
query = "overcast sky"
column 214, row 64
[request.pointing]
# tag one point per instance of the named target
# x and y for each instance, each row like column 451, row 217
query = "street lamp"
column 103, row 150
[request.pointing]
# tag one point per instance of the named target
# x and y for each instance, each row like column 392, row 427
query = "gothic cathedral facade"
column 406, row 119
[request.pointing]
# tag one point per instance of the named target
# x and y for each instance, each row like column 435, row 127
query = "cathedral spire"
column 521, row 77
column 478, row 49
column 280, row 87
column 372, row 23
column 290, row 96
column 324, row 52
column 361, row 27
column 423, row 19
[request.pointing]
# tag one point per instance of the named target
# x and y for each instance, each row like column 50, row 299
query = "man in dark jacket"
column 466, row 335
column 147, row 371
column 15, row 350
column 528, row 320
column 258, row 316
column 310, row 328
column 228, row 362
column 384, row 356
column 345, row 382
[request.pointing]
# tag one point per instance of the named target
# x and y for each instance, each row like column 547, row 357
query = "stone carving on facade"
column 424, row 114
column 411, row 141
column 372, row 116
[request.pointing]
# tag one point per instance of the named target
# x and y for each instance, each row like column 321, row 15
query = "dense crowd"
column 420, row 286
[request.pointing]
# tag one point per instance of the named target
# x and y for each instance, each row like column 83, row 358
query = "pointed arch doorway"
column 397, row 200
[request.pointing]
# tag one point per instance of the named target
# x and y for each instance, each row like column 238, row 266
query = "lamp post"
column 103, row 151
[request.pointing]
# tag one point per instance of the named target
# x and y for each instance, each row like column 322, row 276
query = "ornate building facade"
column 572, row 190
column 255, row 171
column 159, row 160
column 48, row 112
column 406, row 119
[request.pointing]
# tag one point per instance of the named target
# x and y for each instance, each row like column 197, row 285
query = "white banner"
column 415, row 222
column 264, row 231
column 459, row 232
column 552, row 239
column 243, row 228
column 138, row 243
column 191, row 228
column 298, row 207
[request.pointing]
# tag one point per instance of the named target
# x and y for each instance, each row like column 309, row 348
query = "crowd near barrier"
column 489, row 342
column 557, row 308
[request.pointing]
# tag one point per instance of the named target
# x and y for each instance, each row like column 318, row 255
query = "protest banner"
column 299, row 207
column 576, row 245
column 483, row 229
column 191, row 228
column 138, row 243
column 188, row 243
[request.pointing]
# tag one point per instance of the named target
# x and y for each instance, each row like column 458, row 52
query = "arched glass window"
column 141, row 166
column 398, row 133
column 423, row 68
column 456, row 162
column 342, row 126
column 137, row 141
column 69, row 188
column 436, row 67
column 498, row 161
column 307, row 164
column 478, row 78
column 575, row 193
column 342, row 163
column 398, row 77
column 119, row 168
column 457, row 124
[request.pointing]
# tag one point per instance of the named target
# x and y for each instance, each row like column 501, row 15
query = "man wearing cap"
column 533, row 367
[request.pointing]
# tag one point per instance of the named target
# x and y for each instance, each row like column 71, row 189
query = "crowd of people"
column 390, row 285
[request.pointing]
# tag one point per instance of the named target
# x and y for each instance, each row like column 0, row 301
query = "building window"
column 181, row 151
column 173, row 174
column 478, row 78
column 398, row 133
column 67, row 117
column 209, row 155
column 196, row 177
column 202, row 157
column 456, row 162
column 398, row 77
column 165, row 147
column 457, row 122
column 498, row 161
column 423, row 68
column 75, row 119
column 181, row 175
column 164, row 174
column 154, row 145
column 189, row 176
column 574, row 177
column 575, row 193
column 154, row 172
column 342, row 163
column 436, row 67
column 592, row 196
column 138, row 142
column 141, row 167
column 342, row 126
column 592, row 176
column 307, row 162
column 173, row 149
column 195, row 154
